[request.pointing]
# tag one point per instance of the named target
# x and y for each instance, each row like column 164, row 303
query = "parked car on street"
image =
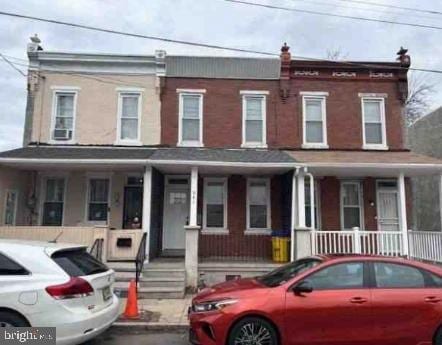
column 333, row 300
column 55, row 285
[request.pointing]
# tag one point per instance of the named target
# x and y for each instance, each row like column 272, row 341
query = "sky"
column 214, row 22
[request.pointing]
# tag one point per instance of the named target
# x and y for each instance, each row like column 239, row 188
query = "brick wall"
column 222, row 111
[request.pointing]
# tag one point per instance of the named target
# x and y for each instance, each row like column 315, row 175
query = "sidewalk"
column 158, row 314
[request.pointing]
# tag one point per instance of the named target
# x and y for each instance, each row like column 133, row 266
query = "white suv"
column 55, row 285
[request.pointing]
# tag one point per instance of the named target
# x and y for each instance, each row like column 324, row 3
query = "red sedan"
column 325, row 300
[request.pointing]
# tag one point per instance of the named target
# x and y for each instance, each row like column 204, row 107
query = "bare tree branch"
column 336, row 54
column 420, row 93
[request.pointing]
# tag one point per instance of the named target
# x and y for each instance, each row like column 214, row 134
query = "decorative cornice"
column 306, row 73
column 344, row 74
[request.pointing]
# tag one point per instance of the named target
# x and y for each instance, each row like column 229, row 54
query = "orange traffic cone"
column 131, row 311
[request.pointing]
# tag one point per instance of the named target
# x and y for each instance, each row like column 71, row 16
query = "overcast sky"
column 213, row 22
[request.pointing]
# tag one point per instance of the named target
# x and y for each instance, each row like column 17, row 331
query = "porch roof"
column 369, row 163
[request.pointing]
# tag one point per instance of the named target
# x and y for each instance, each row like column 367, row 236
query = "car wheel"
column 438, row 338
column 9, row 319
column 253, row 331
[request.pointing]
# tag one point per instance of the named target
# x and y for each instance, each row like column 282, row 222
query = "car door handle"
column 432, row 299
column 358, row 300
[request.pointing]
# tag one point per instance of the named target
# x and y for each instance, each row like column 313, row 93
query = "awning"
column 366, row 163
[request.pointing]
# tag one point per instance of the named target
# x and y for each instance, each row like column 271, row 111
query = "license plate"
column 107, row 294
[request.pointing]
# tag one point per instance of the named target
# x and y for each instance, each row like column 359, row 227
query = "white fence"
column 425, row 245
column 422, row 245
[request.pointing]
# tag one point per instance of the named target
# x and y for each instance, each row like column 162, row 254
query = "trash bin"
column 280, row 245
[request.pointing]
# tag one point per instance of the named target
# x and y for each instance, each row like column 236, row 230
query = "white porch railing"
column 358, row 242
column 422, row 245
column 425, row 245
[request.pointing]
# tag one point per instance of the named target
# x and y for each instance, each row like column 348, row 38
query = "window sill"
column 315, row 146
column 375, row 147
column 189, row 144
column 207, row 231
column 258, row 232
column 128, row 143
column 254, row 146
column 62, row 142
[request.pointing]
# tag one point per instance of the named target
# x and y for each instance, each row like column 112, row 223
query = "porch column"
column 147, row 200
column 293, row 219
column 403, row 213
column 192, row 234
column 301, row 199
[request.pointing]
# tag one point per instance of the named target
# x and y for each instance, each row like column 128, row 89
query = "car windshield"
column 78, row 262
column 287, row 272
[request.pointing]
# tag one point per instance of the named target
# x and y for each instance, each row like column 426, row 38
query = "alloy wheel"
column 254, row 334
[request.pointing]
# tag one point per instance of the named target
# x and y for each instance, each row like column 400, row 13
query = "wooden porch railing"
column 422, row 245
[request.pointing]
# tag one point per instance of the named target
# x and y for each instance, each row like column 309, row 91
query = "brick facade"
column 222, row 111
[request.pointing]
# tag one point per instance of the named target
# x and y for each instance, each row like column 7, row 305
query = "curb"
column 141, row 326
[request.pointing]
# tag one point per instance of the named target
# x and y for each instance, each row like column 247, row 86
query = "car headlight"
column 213, row 305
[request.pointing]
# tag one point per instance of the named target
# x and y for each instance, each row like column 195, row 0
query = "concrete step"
column 164, row 272
column 162, row 281
column 170, row 292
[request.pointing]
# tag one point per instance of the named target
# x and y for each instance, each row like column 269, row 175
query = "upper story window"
column 190, row 127
column 314, row 119
column 129, row 118
column 63, row 114
column 373, row 118
column 258, row 205
column 254, row 118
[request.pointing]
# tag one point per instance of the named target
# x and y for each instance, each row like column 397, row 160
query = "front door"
column 176, row 212
column 388, row 210
column 133, row 207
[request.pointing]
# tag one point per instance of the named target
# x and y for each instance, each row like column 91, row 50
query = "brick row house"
column 206, row 156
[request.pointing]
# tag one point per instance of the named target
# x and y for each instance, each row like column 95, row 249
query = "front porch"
column 210, row 207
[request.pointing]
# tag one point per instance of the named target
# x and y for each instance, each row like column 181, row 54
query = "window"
column 190, row 119
column 254, row 119
column 9, row 267
column 98, row 199
column 64, row 115
column 308, row 204
column 258, row 204
column 129, row 111
column 215, row 203
column 351, row 205
column 314, row 120
column 373, row 114
column 10, row 207
column 398, row 276
column 53, row 202
column 341, row 276
column 78, row 262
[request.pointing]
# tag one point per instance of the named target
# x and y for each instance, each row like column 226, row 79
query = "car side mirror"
column 303, row 287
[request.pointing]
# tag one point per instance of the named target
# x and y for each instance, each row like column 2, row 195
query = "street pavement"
column 118, row 337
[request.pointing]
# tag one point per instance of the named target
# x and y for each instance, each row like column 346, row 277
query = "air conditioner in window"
column 62, row 134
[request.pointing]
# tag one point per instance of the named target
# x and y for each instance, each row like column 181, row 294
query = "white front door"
column 388, row 210
column 176, row 212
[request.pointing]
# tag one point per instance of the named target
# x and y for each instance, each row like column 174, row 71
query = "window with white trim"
column 53, row 202
column 64, row 115
column 98, row 199
column 314, row 121
column 215, row 204
column 11, row 200
column 351, row 205
column 373, row 114
column 254, row 120
column 129, row 111
column 190, row 119
column 258, row 204
column 308, row 204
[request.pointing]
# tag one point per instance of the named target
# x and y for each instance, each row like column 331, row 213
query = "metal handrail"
column 140, row 258
column 97, row 249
